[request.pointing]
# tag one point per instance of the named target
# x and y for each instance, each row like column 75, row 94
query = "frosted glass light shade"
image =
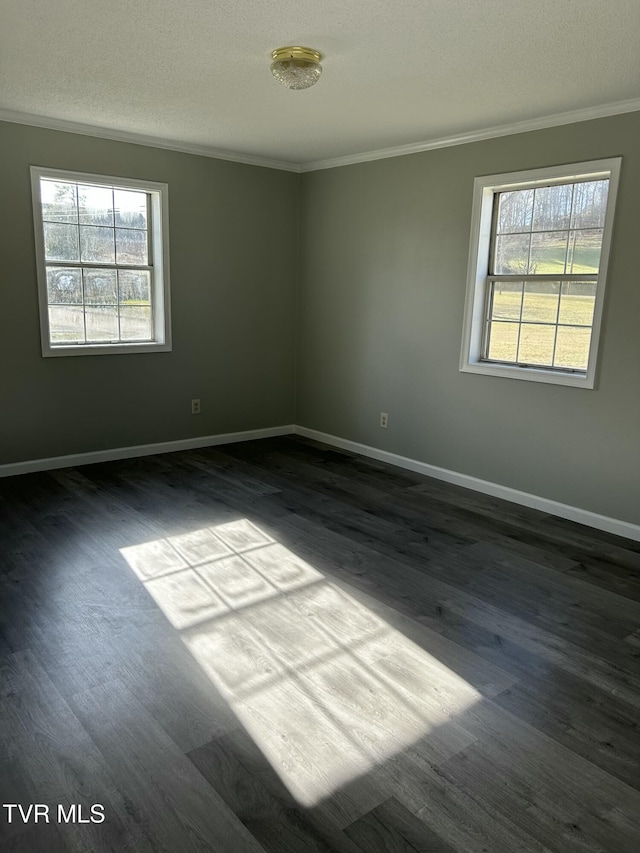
column 296, row 67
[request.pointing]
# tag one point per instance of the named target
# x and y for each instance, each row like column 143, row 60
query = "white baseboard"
column 572, row 513
column 91, row 458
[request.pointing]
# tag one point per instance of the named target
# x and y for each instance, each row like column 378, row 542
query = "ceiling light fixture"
column 296, row 67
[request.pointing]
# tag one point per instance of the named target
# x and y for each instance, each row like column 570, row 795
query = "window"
column 103, row 266
column 539, row 250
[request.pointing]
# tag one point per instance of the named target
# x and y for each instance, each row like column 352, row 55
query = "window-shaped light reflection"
column 325, row 687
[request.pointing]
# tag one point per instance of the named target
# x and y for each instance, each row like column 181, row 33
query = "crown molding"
column 556, row 120
column 586, row 114
column 141, row 139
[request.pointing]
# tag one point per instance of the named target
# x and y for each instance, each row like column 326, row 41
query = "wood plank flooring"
column 276, row 646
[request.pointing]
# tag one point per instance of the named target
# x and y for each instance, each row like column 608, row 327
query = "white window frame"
column 485, row 189
column 158, row 260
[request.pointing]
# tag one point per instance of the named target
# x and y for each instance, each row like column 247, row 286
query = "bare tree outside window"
column 540, row 233
column 540, row 242
column 103, row 230
column 102, row 260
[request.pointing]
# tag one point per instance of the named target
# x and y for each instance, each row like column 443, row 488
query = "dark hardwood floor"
column 274, row 646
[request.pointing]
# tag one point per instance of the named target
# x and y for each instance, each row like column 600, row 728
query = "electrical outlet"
column 195, row 407
column 384, row 420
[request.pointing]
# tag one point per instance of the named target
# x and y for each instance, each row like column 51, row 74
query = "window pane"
column 589, row 204
column 102, row 323
column 536, row 344
column 131, row 246
column 503, row 341
column 512, row 254
column 95, row 250
column 552, row 207
column 96, row 244
column 130, row 208
column 572, row 348
column 507, row 300
column 135, row 323
column 59, row 201
column 577, row 303
column 584, row 255
column 135, row 287
column 96, row 205
column 66, row 323
column 515, row 211
column 60, row 242
column 64, row 285
column 540, row 303
column 548, row 252
column 100, row 287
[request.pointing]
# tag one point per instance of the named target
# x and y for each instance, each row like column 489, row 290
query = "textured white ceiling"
column 197, row 71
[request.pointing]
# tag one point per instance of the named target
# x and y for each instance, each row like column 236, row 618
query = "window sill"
column 105, row 349
column 530, row 374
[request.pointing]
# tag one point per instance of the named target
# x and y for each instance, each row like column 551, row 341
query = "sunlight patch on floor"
column 326, row 688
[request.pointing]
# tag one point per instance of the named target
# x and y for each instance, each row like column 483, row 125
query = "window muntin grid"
column 98, row 263
column 540, row 324
column 544, row 262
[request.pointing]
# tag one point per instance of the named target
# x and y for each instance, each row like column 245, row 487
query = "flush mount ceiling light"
column 296, row 67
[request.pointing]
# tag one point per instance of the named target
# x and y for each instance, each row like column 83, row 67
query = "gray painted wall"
column 383, row 258
column 232, row 281
column 383, row 267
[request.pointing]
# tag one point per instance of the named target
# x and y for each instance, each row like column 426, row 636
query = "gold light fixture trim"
column 306, row 53
column 296, row 67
